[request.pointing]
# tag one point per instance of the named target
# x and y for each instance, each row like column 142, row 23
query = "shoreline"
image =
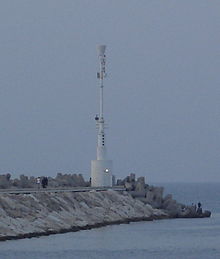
column 86, row 227
column 90, row 227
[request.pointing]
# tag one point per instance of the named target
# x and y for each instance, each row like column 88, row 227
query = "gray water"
column 175, row 238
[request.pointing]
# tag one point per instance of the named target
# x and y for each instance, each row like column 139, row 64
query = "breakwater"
column 38, row 214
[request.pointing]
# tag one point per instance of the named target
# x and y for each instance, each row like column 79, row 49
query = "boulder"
column 140, row 184
column 138, row 194
column 129, row 186
column 5, row 181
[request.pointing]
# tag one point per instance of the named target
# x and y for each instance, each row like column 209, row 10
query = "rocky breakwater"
column 152, row 195
column 29, row 215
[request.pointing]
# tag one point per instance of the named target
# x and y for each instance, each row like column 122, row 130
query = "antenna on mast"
column 101, row 75
column 101, row 49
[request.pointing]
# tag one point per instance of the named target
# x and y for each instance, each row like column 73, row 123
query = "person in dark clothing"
column 44, row 182
column 199, row 210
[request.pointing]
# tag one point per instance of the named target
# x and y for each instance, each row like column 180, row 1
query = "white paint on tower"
column 101, row 169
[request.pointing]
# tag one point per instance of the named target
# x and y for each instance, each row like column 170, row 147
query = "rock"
column 141, row 180
column 24, row 183
column 138, row 194
column 5, row 181
column 154, row 196
column 129, row 186
column 206, row 214
column 140, row 184
column 26, row 215
column 166, row 201
column 119, row 182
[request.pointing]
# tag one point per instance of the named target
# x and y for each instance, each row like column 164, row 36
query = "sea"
column 167, row 239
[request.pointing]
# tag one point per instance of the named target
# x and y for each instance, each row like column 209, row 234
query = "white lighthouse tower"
column 101, row 169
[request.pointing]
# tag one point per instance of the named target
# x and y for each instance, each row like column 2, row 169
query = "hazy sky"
column 162, row 94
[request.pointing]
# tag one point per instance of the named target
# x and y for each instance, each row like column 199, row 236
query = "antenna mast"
column 101, row 170
column 101, row 75
column 101, row 150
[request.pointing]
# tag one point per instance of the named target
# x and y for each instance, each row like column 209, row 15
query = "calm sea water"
column 176, row 238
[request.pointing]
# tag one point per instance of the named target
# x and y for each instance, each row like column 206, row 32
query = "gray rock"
column 40, row 212
column 140, row 184
column 5, row 181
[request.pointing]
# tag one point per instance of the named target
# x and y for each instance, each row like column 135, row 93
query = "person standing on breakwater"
column 44, row 182
column 38, row 183
column 199, row 210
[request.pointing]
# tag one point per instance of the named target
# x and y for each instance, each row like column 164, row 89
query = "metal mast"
column 101, row 150
column 101, row 169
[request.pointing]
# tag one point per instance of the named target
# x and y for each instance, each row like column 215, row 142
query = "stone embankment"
column 152, row 195
column 44, row 213
column 29, row 215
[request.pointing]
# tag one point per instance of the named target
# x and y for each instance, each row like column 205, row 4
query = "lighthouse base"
column 101, row 173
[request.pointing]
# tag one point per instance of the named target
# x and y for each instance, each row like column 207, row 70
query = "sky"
column 161, row 94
